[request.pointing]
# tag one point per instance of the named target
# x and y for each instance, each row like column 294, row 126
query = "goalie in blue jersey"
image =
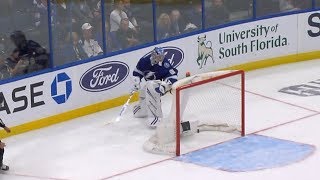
column 159, row 75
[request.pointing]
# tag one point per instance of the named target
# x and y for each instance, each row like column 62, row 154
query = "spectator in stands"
column 303, row 4
column 61, row 18
column 194, row 15
column 287, row 5
column 117, row 14
column 112, row 42
column 108, row 7
column 127, row 9
column 39, row 20
column 78, row 52
column 95, row 6
column 126, row 36
column 97, row 33
column 164, row 27
column 4, row 72
column 190, row 27
column 97, row 11
column 264, row 7
column 30, row 51
column 217, row 14
column 293, row 5
column 74, row 51
column 175, row 18
column 142, row 14
column 21, row 14
column 5, row 17
column 16, row 65
column 82, row 11
column 4, row 45
column 90, row 46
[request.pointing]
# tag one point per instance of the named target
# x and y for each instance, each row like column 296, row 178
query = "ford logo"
column 173, row 54
column 104, row 76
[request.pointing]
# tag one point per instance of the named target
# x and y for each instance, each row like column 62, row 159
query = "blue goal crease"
column 249, row 153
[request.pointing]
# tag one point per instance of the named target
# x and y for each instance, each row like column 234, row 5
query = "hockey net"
column 211, row 101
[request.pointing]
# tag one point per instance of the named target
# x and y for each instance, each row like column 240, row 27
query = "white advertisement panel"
column 309, row 31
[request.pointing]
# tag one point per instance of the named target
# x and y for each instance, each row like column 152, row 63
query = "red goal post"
column 215, row 100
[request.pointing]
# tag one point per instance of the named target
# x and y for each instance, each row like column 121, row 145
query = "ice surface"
column 86, row 149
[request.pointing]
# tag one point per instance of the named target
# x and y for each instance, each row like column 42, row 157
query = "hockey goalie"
column 160, row 77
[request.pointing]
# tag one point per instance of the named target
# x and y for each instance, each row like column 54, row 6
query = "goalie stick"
column 123, row 109
column 4, row 126
column 2, row 123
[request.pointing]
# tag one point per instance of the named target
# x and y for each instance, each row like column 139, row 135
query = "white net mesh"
column 209, row 101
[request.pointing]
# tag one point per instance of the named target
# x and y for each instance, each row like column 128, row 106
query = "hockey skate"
column 4, row 167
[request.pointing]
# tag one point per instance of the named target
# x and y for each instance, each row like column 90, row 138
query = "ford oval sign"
column 173, row 54
column 104, row 76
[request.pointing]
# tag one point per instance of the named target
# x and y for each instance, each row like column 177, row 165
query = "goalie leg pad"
column 153, row 121
column 153, row 104
column 140, row 110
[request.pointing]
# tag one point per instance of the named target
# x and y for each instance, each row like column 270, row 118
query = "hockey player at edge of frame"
column 2, row 145
column 159, row 75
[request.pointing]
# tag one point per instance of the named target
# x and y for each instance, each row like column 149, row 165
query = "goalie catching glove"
column 163, row 88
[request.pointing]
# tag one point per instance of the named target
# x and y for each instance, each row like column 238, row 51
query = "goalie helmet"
column 157, row 55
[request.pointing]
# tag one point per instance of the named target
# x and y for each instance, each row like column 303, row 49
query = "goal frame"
column 179, row 89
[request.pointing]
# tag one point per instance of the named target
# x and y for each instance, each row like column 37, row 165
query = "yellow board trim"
column 277, row 61
column 44, row 122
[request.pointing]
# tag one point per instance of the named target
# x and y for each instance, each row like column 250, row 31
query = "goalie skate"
column 4, row 167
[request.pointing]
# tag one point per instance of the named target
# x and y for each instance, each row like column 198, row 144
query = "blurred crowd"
column 77, row 27
column 276, row 6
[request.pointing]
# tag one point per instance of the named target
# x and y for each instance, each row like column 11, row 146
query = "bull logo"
column 204, row 51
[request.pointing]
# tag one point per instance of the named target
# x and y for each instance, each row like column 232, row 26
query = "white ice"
column 86, row 149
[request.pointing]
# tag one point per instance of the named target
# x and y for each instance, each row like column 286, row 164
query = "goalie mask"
column 157, row 55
